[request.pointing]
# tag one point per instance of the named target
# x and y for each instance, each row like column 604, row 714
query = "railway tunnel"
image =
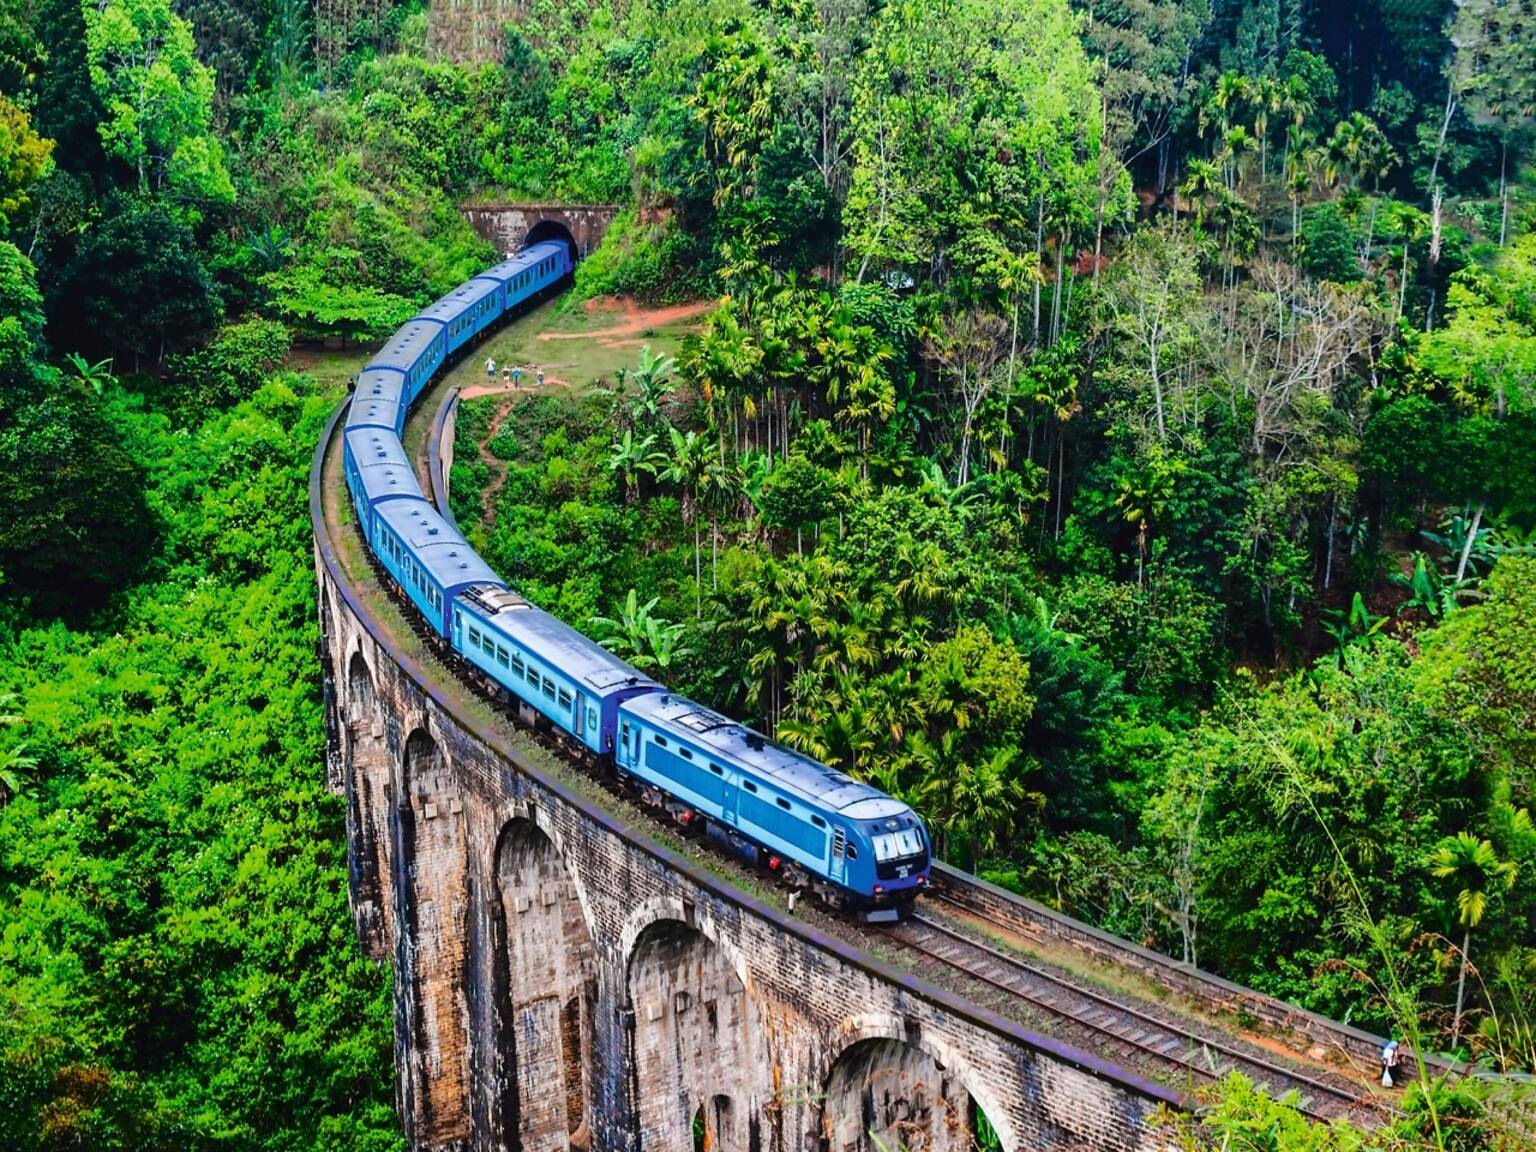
column 512, row 227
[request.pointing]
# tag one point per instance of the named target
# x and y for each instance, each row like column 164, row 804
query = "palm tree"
column 970, row 802
column 1236, row 142
column 688, row 467
column 1232, row 91
column 723, row 360
column 1303, row 162
column 1269, row 96
column 1143, row 497
column 1408, row 224
column 1475, row 868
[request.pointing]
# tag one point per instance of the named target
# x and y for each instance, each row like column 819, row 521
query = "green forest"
column 1113, row 432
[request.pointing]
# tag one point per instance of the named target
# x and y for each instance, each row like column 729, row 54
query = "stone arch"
column 693, row 1040
column 658, row 908
column 720, row 1125
column 552, row 229
column 546, row 994
column 910, row 1090
column 360, row 697
column 366, row 778
column 431, row 875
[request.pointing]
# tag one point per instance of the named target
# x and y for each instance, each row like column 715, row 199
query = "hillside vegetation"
column 1115, row 435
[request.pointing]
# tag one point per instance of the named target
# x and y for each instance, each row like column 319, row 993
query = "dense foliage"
column 1115, row 434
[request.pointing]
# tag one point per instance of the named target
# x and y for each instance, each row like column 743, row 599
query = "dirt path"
column 496, row 467
column 636, row 321
column 476, row 391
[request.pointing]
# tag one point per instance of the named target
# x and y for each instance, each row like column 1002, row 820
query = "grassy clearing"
column 614, row 333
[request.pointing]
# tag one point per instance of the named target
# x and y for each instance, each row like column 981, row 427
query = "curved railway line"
column 1178, row 1047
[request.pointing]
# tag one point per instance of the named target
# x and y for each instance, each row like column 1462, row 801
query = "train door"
column 728, row 794
column 579, row 716
column 628, row 740
column 838, row 868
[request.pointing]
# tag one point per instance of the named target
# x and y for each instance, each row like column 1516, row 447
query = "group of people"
column 510, row 374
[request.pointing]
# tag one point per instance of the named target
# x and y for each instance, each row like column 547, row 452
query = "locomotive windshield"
column 890, row 845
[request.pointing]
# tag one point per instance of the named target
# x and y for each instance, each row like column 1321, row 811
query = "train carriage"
column 547, row 664
column 376, row 402
column 467, row 311
column 377, row 470
column 427, row 556
column 823, row 820
column 415, row 351
column 530, row 272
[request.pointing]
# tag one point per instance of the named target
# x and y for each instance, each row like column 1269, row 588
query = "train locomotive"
column 820, row 829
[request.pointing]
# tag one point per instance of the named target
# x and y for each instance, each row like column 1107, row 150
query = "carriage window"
column 517, row 664
column 818, row 821
column 783, row 803
column 624, row 734
column 503, row 657
column 749, row 786
column 717, row 770
column 661, row 741
column 565, row 698
column 685, row 754
column 533, row 675
column 549, row 687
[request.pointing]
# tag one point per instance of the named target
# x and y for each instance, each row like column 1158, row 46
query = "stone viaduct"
column 565, row 980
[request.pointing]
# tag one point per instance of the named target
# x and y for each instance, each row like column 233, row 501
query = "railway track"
column 1168, row 1049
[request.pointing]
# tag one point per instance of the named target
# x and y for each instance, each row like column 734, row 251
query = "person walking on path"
column 1389, row 1062
column 541, row 378
column 490, row 368
column 517, row 377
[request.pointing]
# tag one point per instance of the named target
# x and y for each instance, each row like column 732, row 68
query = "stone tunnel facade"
column 511, row 227
column 564, row 982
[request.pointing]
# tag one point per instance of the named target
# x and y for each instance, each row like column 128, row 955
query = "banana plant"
column 1356, row 626
column 646, row 641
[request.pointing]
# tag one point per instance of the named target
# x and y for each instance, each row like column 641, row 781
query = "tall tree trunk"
column 1466, row 547
column 1061, row 262
column 1503, row 193
column 1039, row 253
column 1098, row 225
column 1333, row 515
column 1461, row 988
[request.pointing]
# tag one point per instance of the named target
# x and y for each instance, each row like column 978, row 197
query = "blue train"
column 851, row 843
